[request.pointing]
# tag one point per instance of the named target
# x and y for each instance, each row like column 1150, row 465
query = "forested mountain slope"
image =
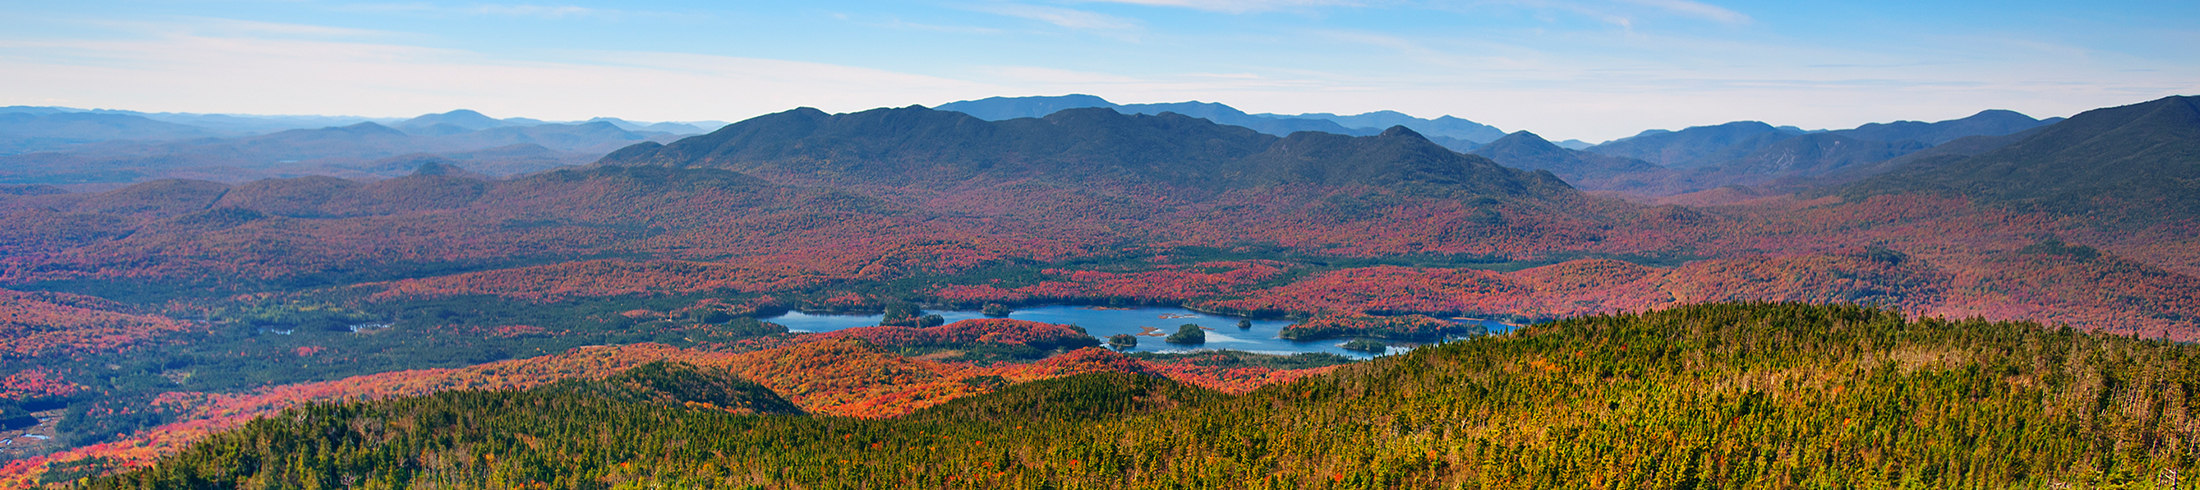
column 192, row 286
column 1090, row 147
column 1450, row 131
column 2139, row 160
column 1751, row 153
column 1712, row 396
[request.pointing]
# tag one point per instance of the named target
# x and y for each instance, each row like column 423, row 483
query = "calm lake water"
column 1222, row 330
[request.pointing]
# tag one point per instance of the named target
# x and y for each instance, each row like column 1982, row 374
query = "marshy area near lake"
column 1149, row 323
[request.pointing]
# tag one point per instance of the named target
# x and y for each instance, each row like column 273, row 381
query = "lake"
column 1222, row 333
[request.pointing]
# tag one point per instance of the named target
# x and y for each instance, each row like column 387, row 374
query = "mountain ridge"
column 1081, row 145
column 1453, row 132
column 2145, row 156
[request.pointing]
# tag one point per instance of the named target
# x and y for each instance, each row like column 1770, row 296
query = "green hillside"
column 1167, row 154
column 2139, row 160
column 1712, row 396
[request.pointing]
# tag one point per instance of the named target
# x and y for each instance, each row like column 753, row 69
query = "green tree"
column 1187, row 334
column 1123, row 341
column 1365, row 345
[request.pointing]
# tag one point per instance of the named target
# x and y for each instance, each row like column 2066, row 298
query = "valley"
column 883, row 270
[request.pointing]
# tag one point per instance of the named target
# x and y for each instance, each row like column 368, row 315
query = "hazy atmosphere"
column 1100, row 244
column 1587, row 69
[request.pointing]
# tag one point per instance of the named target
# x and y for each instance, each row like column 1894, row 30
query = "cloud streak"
column 1699, row 10
column 1558, row 67
column 497, row 10
column 1241, row 6
column 547, row 11
column 1064, row 17
column 217, row 74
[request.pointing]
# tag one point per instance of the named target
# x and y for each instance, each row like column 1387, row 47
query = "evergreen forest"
column 1728, row 396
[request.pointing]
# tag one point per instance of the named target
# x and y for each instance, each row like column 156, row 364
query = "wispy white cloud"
column 894, row 22
column 1064, row 17
column 1598, row 9
column 1241, row 6
column 1054, row 76
column 504, row 10
column 256, row 27
column 1553, row 66
column 550, row 11
column 1624, row 14
column 1695, row 9
column 264, row 75
column 899, row 24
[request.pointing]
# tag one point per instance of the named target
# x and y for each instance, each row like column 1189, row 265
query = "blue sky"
column 1587, row 69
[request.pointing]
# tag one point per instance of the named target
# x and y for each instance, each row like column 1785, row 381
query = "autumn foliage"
column 844, row 373
column 34, row 383
column 434, row 253
column 1166, row 283
column 1408, row 327
column 982, row 330
column 48, row 324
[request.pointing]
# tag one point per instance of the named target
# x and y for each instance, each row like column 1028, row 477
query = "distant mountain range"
column 43, row 145
column 1080, row 146
column 2137, row 160
column 1583, row 169
column 1687, row 147
column 246, row 295
column 363, row 150
column 1654, row 162
column 26, row 129
column 227, row 124
column 463, row 121
column 1704, row 146
column 74, row 146
column 1452, row 132
column 24, row 132
column 1750, row 153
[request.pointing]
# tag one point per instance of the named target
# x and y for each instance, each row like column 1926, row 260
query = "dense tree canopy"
column 1713, row 396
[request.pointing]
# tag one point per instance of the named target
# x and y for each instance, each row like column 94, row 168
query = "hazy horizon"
column 1565, row 69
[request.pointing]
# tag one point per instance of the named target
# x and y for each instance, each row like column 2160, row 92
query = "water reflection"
column 1153, row 322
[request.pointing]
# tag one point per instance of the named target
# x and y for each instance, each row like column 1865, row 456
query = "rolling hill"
column 1807, row 155
column 1750, row 153
column 1585, row 170
column 25, row 132
column 1458, row 134
column 1994, row 122
column 353, row 151
column 2140, row 161
column 210, row 297
column 1688, row 147
column 1087, row 147
column 1720, row 396
column 102, row 149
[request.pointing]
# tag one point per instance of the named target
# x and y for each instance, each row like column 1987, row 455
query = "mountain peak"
column 1992, row 122
column 437, row 166
column 1526, row 136
column 1396, row 131
column 1002, row 108
column 621, row 123
column 465, row 119
column 1686, row 147
column 364, row 128
column 1525, row 150
column 2133, row 160
column 1363, row 124
column 1084, row 147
